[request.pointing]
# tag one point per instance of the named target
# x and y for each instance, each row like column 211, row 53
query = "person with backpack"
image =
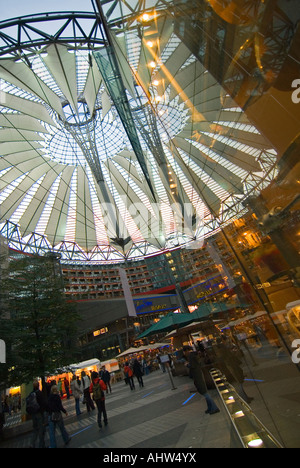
column 97, row 388
column 36, row 406
column 105, row 375
column 128, row 372
column 55, row 419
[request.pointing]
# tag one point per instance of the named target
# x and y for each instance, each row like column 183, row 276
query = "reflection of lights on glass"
column 238, row 414
column 255, row 443
column 150, row 44
column 145, row 17
column 230, row 400
column 152, row 64
column 155, row 83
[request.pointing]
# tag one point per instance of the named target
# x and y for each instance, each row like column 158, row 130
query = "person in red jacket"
column 129, row 375
column 97, row 388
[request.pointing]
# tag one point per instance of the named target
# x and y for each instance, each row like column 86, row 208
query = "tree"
column 41, row 325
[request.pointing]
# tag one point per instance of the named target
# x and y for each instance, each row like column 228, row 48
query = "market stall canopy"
column 258, row 314
column 84, row 364
column 167, row 323
column 234, row 323
column 157, row 345
column 177, row 320
column 202, row 313
column 246, row 318
column 185, row 330
column 208, row 308
column 225, row 307
column 133, row 351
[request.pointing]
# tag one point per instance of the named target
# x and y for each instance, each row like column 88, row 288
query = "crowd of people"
column 46, row 408
column 11, row 403
column 133, row 368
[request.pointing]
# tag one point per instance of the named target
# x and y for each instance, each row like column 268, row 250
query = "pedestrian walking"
column 129, row 375
column 36, row 406
column 228, row 354
column 86, row 382
column 97, row 388
column 145, row 366
column 59, row 386
column 138, row 372
column 77, row 392
column 55, row 419
column 161, row 363
column 67, row 387
column 193, row 362
column 105, row 375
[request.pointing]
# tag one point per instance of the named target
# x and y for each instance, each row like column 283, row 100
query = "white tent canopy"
column 60, row 134
column 84, row 364
column 142, row 348
column 132, row 351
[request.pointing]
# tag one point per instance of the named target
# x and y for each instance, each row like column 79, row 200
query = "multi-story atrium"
column 161, row 138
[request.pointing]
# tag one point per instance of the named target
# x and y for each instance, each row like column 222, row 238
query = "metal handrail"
column 250, row 430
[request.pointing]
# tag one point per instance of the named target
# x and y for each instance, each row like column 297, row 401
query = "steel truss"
column 27, row 36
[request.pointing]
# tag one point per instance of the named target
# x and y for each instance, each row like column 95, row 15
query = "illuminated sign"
column 100, row 332
column 145, row 305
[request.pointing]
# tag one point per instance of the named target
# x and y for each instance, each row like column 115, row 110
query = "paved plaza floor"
column 167, row 413
column 155, row 416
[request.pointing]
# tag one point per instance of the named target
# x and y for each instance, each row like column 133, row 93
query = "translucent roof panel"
column 102, row 167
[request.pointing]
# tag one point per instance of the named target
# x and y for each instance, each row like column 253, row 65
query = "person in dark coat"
column 228, row 355
column 137, row 370
column 38, row 421
column 86, row 382
column 105, row 376
column 55, row 407
column 193, row 362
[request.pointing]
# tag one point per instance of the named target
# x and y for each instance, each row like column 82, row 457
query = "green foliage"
column 37, row 322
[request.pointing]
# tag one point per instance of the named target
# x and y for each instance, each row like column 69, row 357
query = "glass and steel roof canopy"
column 115, row 141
